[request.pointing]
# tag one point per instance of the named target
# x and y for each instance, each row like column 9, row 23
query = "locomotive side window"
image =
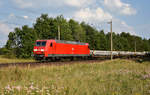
column 51, row 45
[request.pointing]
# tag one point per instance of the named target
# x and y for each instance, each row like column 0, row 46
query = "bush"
column 10, row 55
column 7, row 53
column 3, row 51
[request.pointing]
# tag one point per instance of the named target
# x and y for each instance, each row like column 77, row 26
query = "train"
column 56, row 49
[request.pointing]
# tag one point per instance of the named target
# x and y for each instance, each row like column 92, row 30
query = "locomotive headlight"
column 42, row 49
column 35, row 49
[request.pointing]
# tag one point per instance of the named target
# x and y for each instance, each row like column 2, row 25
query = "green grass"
column 118, row 77
column 14, row 60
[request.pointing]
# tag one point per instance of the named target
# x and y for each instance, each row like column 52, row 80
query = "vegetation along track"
column 25, row 64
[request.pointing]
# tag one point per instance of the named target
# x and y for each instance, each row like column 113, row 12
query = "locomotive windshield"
column 41, row 43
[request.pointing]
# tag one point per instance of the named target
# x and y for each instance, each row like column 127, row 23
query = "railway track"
column 33, row 64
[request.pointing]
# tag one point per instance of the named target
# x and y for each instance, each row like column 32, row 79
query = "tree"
column 11, row 41
column 77, row 31
column 90, row 35
column 103, row 42
column 65, row 31
column 45, row 27
column 21, row 41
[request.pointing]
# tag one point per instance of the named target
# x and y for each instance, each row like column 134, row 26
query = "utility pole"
column 135, row 47
column 111, row 39
column 58, row 32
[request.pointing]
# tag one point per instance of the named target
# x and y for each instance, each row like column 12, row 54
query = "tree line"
column 21, row 41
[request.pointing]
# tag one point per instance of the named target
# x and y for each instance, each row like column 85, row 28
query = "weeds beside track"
column 25, row 64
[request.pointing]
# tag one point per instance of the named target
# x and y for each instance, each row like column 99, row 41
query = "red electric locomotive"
column 51, row 49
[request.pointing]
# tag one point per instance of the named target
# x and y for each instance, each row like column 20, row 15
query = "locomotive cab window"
column 41, row 43
column 38, row 43
column 51, row 44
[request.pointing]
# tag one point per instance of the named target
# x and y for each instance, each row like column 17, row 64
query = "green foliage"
column 21, row 40
column 3, row 51
column 7, row 53
column 45, row 27
column 77, row 31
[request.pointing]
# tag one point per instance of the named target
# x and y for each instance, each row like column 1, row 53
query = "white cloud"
column 4, row 31
column 118, row 6
column 25, row 17
column 74, row 2
column 121, row 26
column 81, row 10
column 91, row 15
column 13, row 16
column 143, row 30
column 79, row 3
column 113, row 5
column 52, row 3
column 99, row 19
column 23, row 3
column 4, row 28
column 18, row 20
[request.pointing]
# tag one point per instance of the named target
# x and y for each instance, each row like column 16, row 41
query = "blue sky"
column 127, row 15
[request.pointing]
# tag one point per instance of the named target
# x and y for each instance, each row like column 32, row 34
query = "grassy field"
column 14, row 60
column 118, row 77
